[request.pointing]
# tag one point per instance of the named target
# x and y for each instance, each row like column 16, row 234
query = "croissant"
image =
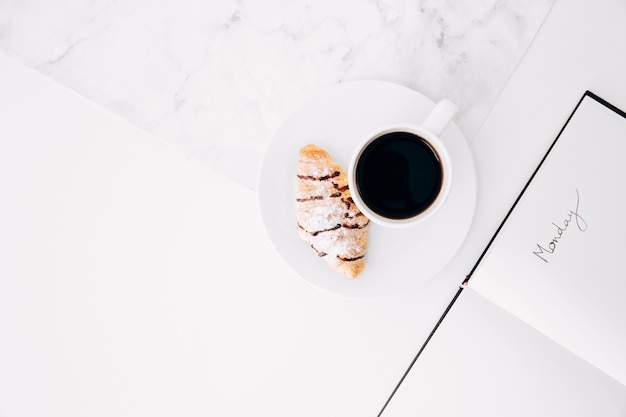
column 327, row 217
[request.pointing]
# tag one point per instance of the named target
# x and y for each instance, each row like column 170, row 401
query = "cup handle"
column 439, row 118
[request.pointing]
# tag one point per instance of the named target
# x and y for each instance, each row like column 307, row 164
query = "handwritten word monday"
column 543, row 252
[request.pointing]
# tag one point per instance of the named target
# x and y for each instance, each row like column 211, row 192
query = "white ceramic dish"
column 337, row 119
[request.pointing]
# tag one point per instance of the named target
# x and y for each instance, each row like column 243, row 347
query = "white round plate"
column 337, row 119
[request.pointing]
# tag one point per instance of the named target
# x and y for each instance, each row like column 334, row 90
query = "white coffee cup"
column 401, row 174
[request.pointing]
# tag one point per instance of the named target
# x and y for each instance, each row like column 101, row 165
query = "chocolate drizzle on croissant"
column 322, row 178
column 327, row 217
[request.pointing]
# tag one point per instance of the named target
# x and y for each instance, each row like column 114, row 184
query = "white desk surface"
column 137, row 281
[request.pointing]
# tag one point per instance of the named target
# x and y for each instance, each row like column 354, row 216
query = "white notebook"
column 538, row 327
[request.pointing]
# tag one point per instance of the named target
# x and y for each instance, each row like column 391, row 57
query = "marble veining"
column 217, row 77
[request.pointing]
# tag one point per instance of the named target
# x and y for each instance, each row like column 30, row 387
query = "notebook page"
column 558, row 261
column 484, row 362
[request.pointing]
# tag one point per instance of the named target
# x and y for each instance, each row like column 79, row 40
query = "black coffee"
column 399, row 175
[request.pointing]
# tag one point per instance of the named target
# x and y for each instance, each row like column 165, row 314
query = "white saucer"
column 337, row 119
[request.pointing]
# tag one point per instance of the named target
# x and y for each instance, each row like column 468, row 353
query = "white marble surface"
column 217, row 77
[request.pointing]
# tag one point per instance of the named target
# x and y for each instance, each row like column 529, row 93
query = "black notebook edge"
column 488, row 246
